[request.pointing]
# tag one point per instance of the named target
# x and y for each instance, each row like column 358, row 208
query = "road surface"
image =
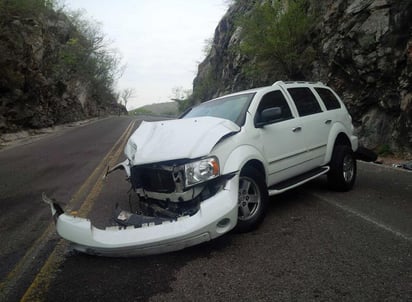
column 314, row 245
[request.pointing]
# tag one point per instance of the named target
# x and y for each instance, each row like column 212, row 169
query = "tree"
column 87, row 56
column 207, row 47
column 26, row 7
column 127, row 94
column 180, row 94
column 182, row 97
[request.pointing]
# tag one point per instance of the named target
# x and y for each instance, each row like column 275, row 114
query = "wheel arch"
column 257, row 164
column 337, row 136
column 243, row 156
column 342, row 139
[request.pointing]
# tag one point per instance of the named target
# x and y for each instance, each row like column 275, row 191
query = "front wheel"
column 342, row 174
column 252, row 200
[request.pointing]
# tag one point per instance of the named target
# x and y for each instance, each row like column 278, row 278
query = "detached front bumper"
column 217, row 216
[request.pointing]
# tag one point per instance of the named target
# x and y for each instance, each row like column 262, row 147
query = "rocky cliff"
column 362, row 48
column 39, row 85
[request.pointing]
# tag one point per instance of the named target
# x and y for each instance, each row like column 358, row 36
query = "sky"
column 160, row 41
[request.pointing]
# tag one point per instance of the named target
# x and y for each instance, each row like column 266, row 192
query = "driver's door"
column 283, row 141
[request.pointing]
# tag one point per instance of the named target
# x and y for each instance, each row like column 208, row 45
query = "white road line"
column 365, row 217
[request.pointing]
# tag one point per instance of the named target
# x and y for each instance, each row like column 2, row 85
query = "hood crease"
column 177, row 139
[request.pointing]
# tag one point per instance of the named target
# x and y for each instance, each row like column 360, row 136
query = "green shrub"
column 273, row 36
column 25, row 7
column 86, row 56
column 384, row 150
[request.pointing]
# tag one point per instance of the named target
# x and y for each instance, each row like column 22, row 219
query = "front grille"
column 152, row 179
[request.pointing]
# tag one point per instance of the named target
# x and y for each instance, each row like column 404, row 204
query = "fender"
column 238, row 158
column 336, row 129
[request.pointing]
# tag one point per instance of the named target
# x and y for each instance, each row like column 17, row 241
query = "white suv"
column 213, row 169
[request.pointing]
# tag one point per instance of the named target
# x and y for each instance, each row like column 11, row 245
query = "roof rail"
column 297, row 82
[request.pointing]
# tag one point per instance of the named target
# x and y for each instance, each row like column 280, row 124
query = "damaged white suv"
column 212, row 170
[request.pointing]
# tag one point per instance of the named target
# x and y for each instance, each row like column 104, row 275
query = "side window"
column 275, row 99
column 305, row 101
column 328, row 98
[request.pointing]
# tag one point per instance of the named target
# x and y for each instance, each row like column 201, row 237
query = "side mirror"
column 268, row 116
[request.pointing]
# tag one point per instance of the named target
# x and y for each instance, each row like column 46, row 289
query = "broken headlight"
column 202, row 170
column 130, row 150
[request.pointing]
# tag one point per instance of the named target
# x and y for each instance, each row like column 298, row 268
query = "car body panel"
column 217, row 215
column 336, row 129
column 176, row 139
column 283, row 148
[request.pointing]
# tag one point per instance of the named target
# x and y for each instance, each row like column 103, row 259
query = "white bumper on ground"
column 217, row 216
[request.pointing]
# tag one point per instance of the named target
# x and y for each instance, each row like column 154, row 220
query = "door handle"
column 296, row 129
column 327, row 122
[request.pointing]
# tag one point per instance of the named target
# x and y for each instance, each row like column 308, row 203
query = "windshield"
column 231, row 108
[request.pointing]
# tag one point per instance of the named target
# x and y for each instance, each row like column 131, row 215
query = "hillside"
column 167, row 108
column 361, row 48
column 54, row 67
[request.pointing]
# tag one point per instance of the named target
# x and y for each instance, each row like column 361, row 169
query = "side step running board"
column 296, row 181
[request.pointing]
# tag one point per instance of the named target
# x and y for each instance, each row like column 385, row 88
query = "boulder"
column 363, row 49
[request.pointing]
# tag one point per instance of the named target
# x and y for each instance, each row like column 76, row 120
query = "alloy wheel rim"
column 249, row 198
column 348, row 168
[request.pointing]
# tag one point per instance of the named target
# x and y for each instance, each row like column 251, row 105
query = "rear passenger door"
column 315, row 126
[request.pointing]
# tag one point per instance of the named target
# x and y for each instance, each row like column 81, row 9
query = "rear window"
column 305, row 101
column 328, row 98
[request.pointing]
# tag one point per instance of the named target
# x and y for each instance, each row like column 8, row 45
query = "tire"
column 342, row 174
column 253, row 200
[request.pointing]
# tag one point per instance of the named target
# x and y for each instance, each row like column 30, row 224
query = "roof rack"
column 296, row 82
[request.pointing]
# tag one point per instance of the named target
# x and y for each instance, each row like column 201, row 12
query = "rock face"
column 363, row 50
column 34, row 91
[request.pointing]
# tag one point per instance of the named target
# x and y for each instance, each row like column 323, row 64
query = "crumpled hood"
column 176, row 139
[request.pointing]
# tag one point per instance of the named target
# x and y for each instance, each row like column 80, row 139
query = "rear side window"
column 328, row 98
column 305, row 101
column 275, row 99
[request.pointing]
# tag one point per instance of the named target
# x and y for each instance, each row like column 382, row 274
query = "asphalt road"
column 314, row 245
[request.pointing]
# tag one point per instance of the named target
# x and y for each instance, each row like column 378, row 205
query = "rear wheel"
column 252, row 199
column 342, row 174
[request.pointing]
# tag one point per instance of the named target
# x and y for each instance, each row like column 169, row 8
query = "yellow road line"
column 23, row 265
column 41, row 282
column 94, row 193
column 100, row 167
column 60, row 248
